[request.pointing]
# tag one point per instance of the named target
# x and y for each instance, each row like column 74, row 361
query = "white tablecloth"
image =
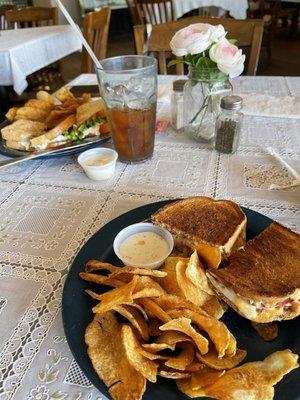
column 49, row 209
column 24, row 51
column 237, row 8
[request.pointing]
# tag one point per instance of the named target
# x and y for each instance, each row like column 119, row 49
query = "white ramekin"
column 138, row 228
column 101, row 172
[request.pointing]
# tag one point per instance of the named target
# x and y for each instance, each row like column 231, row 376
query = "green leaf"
column 232, row 41
column 174, row 62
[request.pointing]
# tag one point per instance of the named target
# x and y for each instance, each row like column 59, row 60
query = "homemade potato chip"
column 171, row 338
column 231, row 349
column 204, row 376
column 154, row 311
column 143, row 365
column 94, row 265
column 194, row 366
column 151, row 356
column 211, row 359
column 11, row 113
column 171, row 374
column 107, row 354
column 101, row 279
column 42, row 95
column 156, row 347
column 181, row 361
column 217, row 331
column 184, row 325
column 172, row 302
column 135, row 318
column 138, row 271
column 185, row 387
column 254, row 379
column 169, row 283
column 196, row 274
column 196, row 295
column 64, row 94
column 31, row 114
column 120, row 295
column 146, row 287
column 154, row 325
column 140, row 308
column 268, row 331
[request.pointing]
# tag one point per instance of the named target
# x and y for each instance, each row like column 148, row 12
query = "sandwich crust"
column 266, row 268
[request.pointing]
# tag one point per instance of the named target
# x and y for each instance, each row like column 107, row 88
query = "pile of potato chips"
column 165, row 323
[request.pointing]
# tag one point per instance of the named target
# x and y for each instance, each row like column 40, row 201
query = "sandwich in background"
column 215, row 228
column 19, row 133
column 262, row 280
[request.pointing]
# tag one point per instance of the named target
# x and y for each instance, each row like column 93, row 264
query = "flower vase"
column 201, row 101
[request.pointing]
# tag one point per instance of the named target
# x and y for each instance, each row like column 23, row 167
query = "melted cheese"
column 229, row 244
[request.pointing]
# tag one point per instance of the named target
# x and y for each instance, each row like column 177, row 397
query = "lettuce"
column 75, row 135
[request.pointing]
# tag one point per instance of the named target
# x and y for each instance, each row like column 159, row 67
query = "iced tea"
column 133, row 132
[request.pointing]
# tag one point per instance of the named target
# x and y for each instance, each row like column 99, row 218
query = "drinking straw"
column 79, row 34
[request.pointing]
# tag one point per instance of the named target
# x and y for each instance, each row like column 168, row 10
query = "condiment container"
column 99, row 163
column 145, row 227
column 177, row 104
column 229, row 124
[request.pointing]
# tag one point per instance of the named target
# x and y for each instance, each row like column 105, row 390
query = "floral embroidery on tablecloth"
column 258, row 176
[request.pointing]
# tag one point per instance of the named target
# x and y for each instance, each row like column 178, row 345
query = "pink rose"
column 196, row 38
column 228, row 57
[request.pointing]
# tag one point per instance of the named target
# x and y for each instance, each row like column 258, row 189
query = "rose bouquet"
column 212, row 60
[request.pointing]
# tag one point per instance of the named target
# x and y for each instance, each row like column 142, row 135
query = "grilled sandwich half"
column 262, row 281
column 214, row 228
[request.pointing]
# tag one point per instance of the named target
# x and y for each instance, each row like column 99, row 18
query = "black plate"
column 76, row 311
column 8, row 152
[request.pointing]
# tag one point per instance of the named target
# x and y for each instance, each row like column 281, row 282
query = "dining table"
column 49, row 209
column 27, row 50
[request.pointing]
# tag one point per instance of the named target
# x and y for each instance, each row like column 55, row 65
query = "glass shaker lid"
column 231, row 102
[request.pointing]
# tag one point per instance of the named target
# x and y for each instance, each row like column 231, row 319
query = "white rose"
column 195, row 38
column 228, row 58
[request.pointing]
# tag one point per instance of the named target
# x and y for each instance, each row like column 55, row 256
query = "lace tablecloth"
column 24, row 51
column 49, row 209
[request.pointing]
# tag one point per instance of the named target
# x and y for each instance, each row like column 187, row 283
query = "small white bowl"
column 99, row 172
column 139, row 228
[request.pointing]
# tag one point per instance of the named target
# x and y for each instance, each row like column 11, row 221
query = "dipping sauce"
column 98, row 160
column 144, row 248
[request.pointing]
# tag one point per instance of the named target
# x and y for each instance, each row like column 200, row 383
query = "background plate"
column 6, row 151
column 77, row 305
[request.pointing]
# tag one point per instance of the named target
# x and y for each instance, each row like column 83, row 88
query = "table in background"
column 237, row 9
column 49, row 209
column 24, row 51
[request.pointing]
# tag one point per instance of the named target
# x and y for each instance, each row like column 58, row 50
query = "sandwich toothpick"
column 79, row 34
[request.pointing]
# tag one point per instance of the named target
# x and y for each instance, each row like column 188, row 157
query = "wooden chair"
column 3, row 10
column 135, row 17
column 30, row 17
column 155, row 11
column 95, row 30
column 247, row 32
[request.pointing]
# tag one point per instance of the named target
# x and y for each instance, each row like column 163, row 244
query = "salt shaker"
column 177, row 104
column 229, row 124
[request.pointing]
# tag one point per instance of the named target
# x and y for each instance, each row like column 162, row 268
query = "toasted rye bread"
column 266, row 271
column 89, row 110
column 213, row 227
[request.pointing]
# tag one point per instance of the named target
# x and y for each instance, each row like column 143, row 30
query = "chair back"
column 248, row 34
column 95, row 30
column 30, row 17
column 133, row 12
column 155, row 11
column 3, row 9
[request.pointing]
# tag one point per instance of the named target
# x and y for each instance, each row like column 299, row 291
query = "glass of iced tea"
column 128, row 85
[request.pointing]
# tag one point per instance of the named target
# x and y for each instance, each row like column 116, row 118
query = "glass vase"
column 201, row 101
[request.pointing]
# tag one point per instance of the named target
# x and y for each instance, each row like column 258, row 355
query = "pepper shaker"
column 229, row 124
column 177, row 104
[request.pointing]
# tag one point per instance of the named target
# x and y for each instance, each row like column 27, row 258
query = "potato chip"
column 135, row 318
column 156, row 347
column 254, row 379
column 86, row 97
column 44, row 105
column 31, row 114
column 194, row 366
column 143, row 365
column 171, row 338
column 154, row 311
column 183, row 359
column 171, row 374
column 146, row 287
column 184, row 325
column 217, row 331
column 120, row 295
column 204, row 376
column 169, row 283
column 64, row 94
column 268, row 331
column 151, row 356
column 107, row 354
column 140, row 308
column 43, row 95
column 154, row 325
column 138, row 271
column 184, row 386
column 94, row 265
column 11, row 113
column 211, row 360
column 102, row 280
column 231, row 349
column 172, row 302
column 195, row 272
column 196, row 295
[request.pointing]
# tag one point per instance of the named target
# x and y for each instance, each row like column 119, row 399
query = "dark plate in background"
column 77, row 305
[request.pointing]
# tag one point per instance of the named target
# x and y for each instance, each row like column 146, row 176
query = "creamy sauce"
column 144, row 248
column 98, row 161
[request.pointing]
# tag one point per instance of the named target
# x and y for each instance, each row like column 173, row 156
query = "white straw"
column 295, row 174
column 79, row 34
